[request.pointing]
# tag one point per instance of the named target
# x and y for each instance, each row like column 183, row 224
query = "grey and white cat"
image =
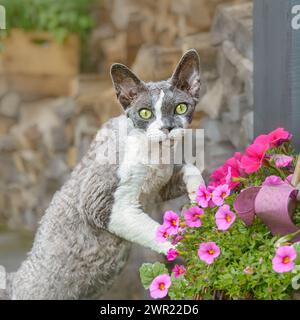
column 84, row 237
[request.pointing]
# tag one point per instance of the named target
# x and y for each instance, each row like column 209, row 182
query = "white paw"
column 165, row 247
column 192, row 196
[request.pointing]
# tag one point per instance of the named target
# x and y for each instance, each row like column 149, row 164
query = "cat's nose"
column 166, row 128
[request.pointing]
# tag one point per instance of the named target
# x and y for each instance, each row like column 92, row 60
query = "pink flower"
column 262, row 139
column 178, row 270
column 231, row 169
column 192, row 217
column 211, row 190
column 255, row 154
column 228, row 177
column 284, row 259
column 235, row 164
column 203, row 196
column 278, row 136
column 171, row 222
column 172, row 254
column 224, row 218
column 272, row 181
column 282, row 160
column 160, row 286
column 208, row 251
column 217, row 177
column 162, row 234
column 220, row 193
column 289, row 179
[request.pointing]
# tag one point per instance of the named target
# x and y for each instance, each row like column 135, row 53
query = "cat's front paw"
column 165, row 247
column 192, row 196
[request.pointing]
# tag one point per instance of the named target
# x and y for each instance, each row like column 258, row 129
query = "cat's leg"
column 137, row 227
column 192, row 178
column 175, row 205
column 185, row 181
column 131, row 223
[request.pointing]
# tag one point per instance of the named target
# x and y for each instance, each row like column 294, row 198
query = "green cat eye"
column 181, row 108
column 145, row 114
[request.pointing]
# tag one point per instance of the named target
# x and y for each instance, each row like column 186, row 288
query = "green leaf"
column 148, row 271
column 297, row 248
column 60, row 18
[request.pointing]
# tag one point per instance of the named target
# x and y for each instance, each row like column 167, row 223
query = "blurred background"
column 55, row 92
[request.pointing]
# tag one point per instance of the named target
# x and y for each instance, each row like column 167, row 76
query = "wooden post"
column 277, row 66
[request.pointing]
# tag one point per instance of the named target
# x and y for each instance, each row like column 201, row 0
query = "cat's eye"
column 181, row 108
column 145, row 114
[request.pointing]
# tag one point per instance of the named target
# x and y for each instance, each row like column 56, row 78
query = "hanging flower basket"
column 241, row 237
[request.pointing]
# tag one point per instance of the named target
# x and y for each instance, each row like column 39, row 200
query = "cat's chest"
column 140, row 171
column 156, row 177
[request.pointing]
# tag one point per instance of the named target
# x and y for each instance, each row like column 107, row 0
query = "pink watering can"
column 273, row 204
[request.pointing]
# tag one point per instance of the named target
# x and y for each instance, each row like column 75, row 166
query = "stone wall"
column 40, row 143
column 127, row 25
column 228, row 103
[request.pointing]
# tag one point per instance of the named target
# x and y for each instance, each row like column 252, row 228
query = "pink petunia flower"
column 232, row 168
column 262, row 139
column 284, row 259
column 171, row 222
column 162, row 234
column 272, row 181
column 289, row 179
column 282, row 161
column 211, row 190
column 228, row 177
column 192, row 217
column 255, row 154
column 217, row 177
column 235, row 163
column 172, row 254
column 278, row 136
column 224, row 217
column 208, row 251
column 220, row 193
column 160, row 286
column 203, row 196
column 178, row 270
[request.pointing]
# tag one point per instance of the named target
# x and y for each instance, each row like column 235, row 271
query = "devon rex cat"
column 84, row 237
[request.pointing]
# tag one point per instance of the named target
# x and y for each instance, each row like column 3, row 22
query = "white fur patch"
column 157, row 108
column 127, row 219
column 192, row 177
column 154, row 130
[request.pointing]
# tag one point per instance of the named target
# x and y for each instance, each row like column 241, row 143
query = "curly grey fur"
column 73, row 256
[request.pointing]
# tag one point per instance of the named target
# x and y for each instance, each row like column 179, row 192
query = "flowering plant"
column 221, row 254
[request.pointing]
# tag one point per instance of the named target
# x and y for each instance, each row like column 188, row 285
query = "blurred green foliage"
column 59, row 17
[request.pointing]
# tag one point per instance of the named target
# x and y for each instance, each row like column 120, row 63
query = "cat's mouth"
column 161, row 136
column 169, row 142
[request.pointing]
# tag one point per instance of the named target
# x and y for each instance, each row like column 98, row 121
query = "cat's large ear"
column 187, row 75
column 126, row 83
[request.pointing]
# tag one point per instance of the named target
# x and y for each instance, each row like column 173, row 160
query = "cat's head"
column 162, row 109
